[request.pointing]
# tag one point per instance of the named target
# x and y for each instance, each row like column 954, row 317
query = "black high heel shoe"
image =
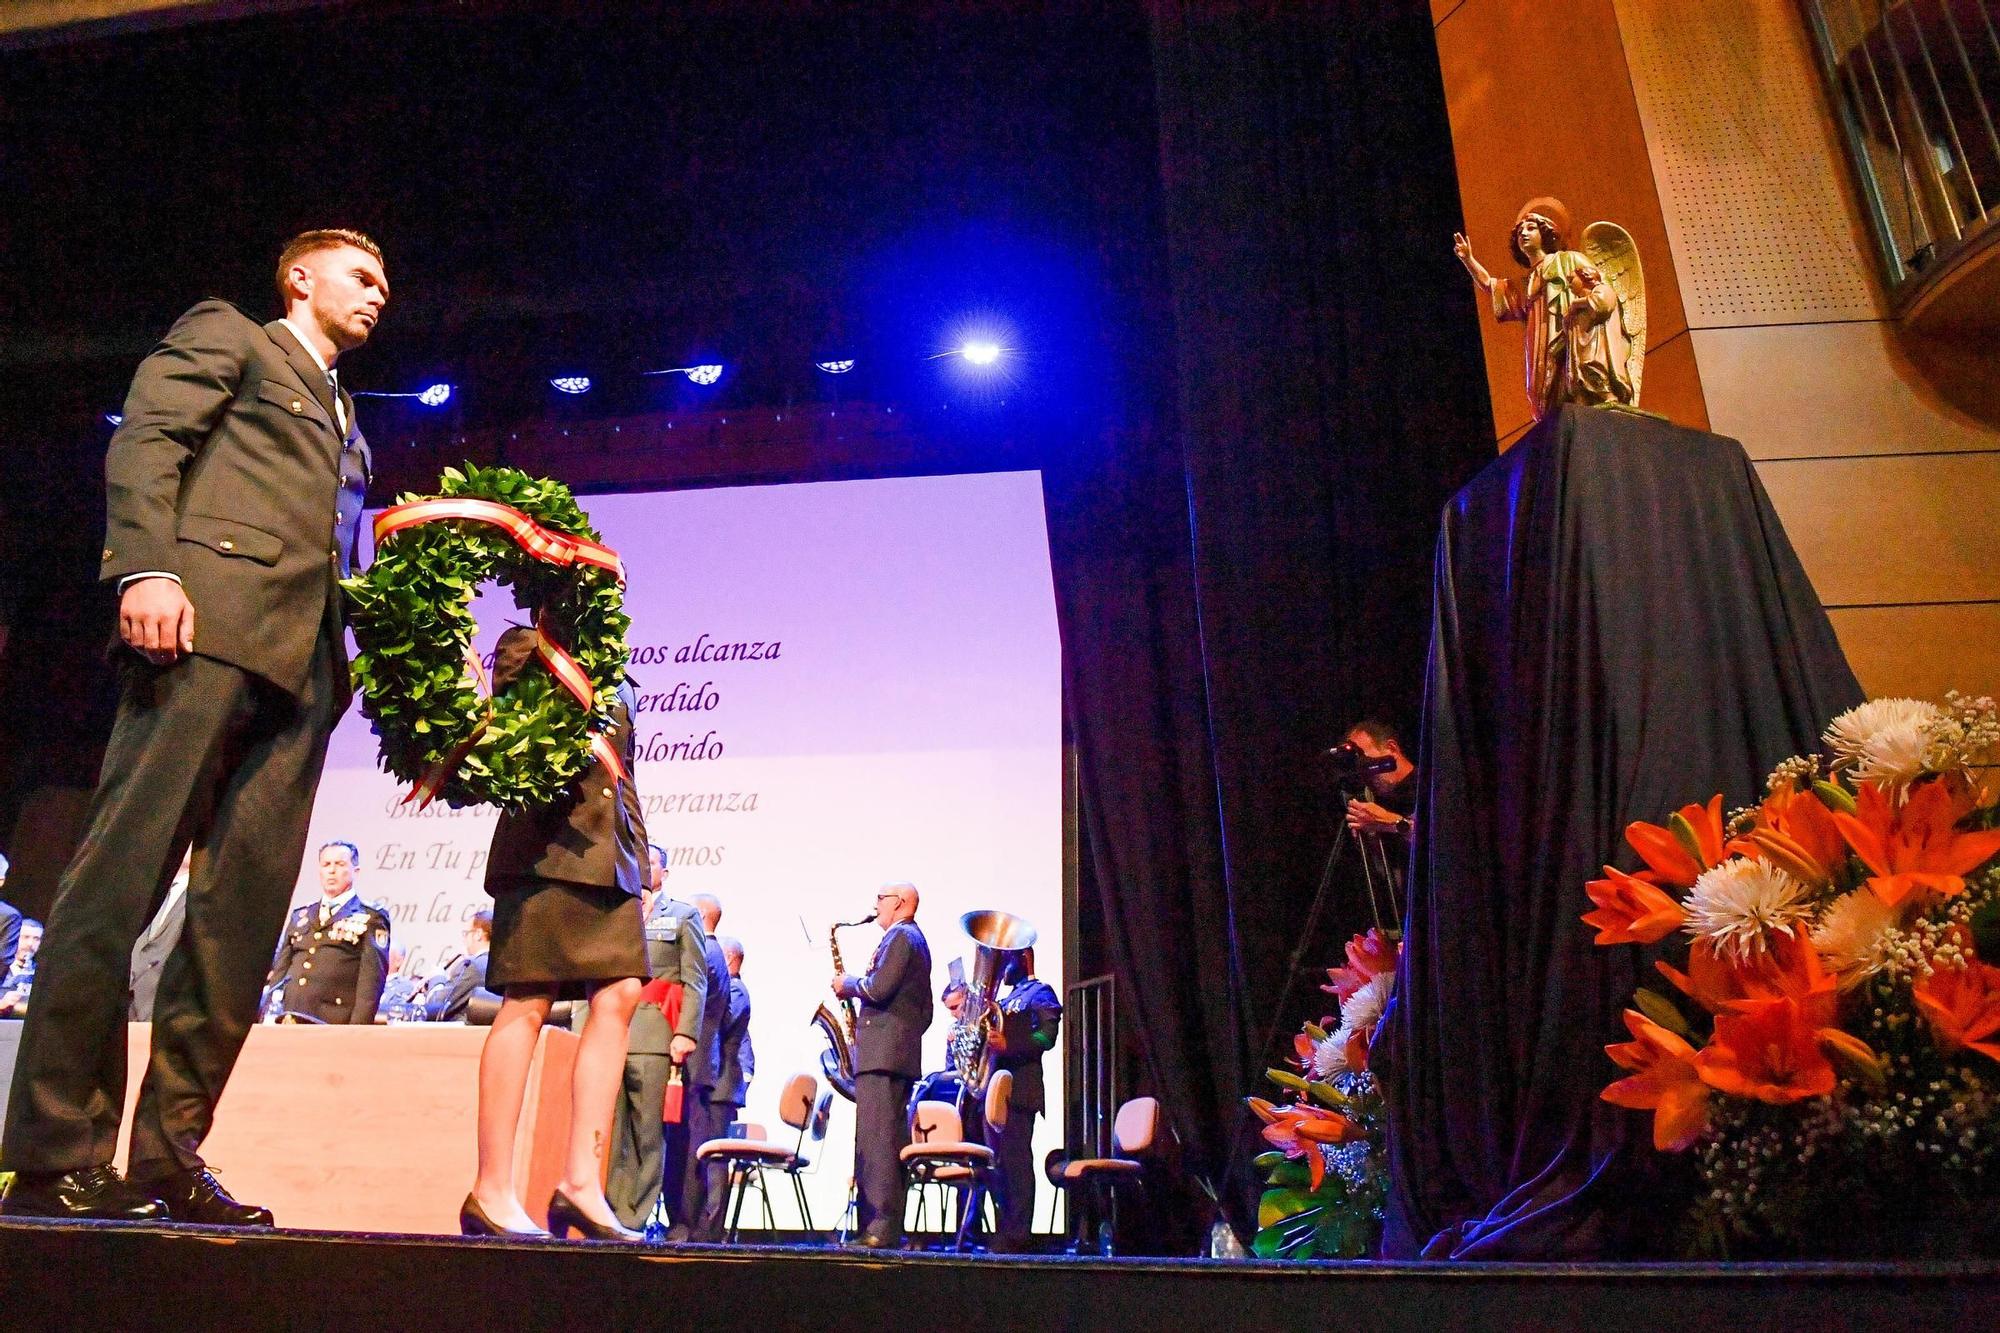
column 473, row 1221
column 565, row 1217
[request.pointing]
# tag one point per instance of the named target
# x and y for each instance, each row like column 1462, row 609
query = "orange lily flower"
column 1768, row 1050
column 1664, row 1082
column 1917, row 847
column 1368, row 957
column 1678, row 856
column 1298, row 1129
column 1796, row 833
column 1963, row 1006
column 1631, row 911
column 1789, row 970
column 1357, row 1050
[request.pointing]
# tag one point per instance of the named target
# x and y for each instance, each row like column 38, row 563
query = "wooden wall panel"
column 1526, row 122
column 1891, row 530
column 1922, row 651
column 1820, row 390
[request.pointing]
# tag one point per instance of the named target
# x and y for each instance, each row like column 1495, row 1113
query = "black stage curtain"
column 1621, row 628
column 1238, row 587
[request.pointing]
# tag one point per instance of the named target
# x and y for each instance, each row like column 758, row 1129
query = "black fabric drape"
column 1621, row 627
column 1242, row 561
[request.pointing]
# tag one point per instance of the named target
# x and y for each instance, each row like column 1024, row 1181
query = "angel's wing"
column 1610, row 250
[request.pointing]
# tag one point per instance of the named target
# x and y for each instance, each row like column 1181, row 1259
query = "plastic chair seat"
column 1087, row 1166
column 948, row 1153
column 745, row 1150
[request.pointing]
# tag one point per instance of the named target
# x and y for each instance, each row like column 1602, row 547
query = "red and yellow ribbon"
column 555, row 548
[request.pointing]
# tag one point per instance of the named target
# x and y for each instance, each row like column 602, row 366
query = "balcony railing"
column 1916, row 87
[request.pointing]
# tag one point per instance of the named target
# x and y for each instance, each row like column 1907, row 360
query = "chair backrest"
column 936, row 1122
column 998, row 1089
column 795, row 1103
column 1137, row 1125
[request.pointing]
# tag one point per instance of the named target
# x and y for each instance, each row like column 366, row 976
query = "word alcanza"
column 705, row 649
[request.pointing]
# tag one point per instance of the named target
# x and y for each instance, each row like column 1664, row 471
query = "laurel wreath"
column 412, row 619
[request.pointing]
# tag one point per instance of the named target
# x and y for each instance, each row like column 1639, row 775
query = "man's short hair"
column 1379, row 732
column 658, row 851
column 353, row 852
column 482, row 921
column 311, row 242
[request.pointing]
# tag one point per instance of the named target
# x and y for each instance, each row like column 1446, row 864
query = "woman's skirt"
column 551, row 933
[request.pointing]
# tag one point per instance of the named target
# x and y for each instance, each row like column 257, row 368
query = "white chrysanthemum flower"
column 1737, row 905
column 1329, row 1055
column 1363, row 1009
column 1884, row 740
column 1852, row 936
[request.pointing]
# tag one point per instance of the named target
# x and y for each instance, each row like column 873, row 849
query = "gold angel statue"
column 1585, row 310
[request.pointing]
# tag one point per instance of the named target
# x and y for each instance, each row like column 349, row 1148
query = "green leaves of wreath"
column 412, row 618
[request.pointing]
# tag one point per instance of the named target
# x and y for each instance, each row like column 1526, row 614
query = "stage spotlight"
column 980, row 352
column 702, row 375
column 437, row 395
column 113, row 419
column 836, row 367
column 570, row 384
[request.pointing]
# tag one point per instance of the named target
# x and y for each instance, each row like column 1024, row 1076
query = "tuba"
column 837, row 1060
column 1000, row 937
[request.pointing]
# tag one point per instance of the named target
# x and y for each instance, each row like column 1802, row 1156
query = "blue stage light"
column 570, row 384
column 704, row 374
column 836, row 367
column 980, row 351
column 113, row 419
column 435, row 396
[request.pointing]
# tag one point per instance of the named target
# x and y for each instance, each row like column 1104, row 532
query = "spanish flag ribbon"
column 554, row 548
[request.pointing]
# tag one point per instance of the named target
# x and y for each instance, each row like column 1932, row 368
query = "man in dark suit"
column 1030, row 1018
column 895, row 1001
column 10, row 924
column 233, row 496
column 701, row 1116
column 334, row 954
column 449, row 997
column 726, row 1098
column 676, row 952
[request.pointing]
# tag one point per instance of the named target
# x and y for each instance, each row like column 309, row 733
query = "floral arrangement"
column 1829, row 1051
column 1325, row 1181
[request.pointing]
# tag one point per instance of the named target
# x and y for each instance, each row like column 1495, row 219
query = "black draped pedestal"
column 1621, row 627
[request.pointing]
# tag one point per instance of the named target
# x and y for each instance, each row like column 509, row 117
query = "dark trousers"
column 1014, row 1177
column 881, row 1132
column 709, row 1221
column 638, row 1140
column 703, row 1120
column 201, row 753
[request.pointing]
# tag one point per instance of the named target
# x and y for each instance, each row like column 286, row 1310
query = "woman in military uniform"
column 565, row 880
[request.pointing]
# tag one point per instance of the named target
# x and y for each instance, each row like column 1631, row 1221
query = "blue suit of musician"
column 896, row 1004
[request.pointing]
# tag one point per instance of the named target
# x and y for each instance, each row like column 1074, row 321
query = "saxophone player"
column 895, row 998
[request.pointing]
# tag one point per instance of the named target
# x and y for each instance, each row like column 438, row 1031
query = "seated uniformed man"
column 449, row 996
column 334, row 955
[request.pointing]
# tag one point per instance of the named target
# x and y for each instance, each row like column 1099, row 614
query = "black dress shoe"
column 565, row 1217
column 877, row 1240
column 474, row 1221
column 197, row 1196
column 89, row 1192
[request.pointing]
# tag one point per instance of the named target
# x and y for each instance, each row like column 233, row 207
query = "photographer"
column 1378, row 756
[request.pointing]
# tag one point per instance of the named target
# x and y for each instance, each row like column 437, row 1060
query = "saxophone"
column 837, row 1060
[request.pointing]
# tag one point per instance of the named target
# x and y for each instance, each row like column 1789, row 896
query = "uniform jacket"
column 596, row 834
column 448, row 998
column 676, row 951
column 704, row 1067
column 228, row 471
column 1030, row 1016
column 334, row 971
column 732, row 1085
column 895, row 1005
